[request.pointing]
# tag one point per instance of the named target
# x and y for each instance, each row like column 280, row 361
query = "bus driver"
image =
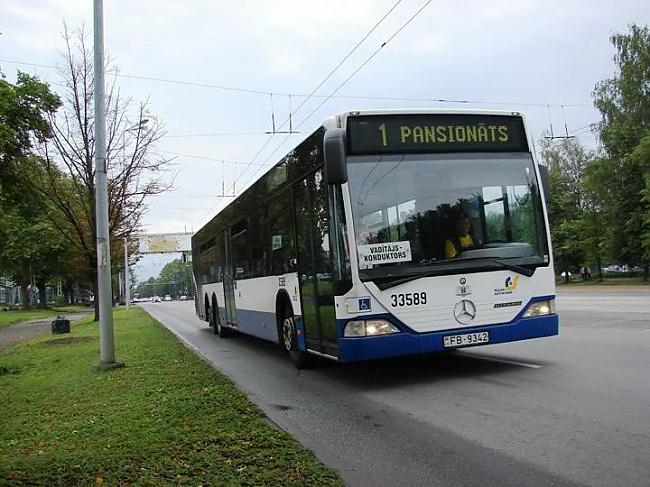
column 461, row 239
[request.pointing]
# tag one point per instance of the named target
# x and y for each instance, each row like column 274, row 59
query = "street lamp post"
column 104, row 288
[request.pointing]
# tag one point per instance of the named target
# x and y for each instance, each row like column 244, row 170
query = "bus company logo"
column 463, row 289
column 510, row 285
column 464, row 311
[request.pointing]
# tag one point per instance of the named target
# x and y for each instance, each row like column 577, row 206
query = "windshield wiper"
column 412, row 277
column 526, row 271
column 403, row 280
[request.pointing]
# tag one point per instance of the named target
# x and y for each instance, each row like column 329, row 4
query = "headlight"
column 540, row 308
column 364, row 328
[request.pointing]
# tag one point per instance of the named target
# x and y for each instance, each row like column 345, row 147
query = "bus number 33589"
column 408, row 299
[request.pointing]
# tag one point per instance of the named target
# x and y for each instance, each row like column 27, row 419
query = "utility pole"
column 127, row 291
column 104, row 288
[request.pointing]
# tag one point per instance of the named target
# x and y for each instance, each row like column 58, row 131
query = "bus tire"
column 289, row 341
column 208, row 312
column 217, row 329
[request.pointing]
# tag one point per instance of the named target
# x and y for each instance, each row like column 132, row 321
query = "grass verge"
column 8, row 318
column 167, row 418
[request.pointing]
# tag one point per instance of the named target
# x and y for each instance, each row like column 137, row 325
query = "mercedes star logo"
column 464, row 311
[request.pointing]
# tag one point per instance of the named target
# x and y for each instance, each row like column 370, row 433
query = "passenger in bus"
column 461, row 239
column 363, row 233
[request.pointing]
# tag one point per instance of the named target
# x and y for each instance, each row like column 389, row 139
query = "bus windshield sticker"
column 427, row 133
column 383, row 253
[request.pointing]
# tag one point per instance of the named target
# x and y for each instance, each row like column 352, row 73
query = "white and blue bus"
column 386, row 233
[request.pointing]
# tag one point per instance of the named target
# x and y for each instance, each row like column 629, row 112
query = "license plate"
column 467, row 339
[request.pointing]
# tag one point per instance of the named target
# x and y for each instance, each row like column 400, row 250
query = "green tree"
column 134, row 172
column 598, row 235
column 178, row 273
column 32, row 249
column 567, row 161
column 641, row 157
column 24, row 111
column 175, row 279
column 624, row 103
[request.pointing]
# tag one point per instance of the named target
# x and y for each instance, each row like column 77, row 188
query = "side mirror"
column 336, row 169
column 546, row 182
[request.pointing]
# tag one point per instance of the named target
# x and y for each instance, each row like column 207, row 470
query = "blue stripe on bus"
column 410, row 342
column 260, row 324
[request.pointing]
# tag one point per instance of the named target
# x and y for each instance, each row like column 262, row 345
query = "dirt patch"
column 281, row 407
column 68, row 340
column 9, row 371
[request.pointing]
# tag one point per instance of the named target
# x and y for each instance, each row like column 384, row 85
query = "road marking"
column 503, row 361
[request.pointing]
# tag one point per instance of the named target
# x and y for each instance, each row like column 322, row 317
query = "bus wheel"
column 218, row 329
column 208, row 311
column 289, row 342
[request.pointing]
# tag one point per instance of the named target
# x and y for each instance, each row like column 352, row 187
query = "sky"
column 542, row 58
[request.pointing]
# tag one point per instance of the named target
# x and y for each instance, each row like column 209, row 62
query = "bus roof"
column 339, row 120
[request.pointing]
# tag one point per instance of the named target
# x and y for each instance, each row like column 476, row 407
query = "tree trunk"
column 646, row 272
column 600, row 270
column 24, row 295
column 566, row 274
column 42, row 294
column 67, row 292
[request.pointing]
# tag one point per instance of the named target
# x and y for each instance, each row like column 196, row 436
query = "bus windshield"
column 445, row 213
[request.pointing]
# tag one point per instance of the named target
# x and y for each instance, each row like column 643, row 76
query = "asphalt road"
column 566, row 410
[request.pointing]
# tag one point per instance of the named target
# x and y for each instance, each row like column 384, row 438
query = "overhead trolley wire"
column 384, row 44
column 345, row 58
column 329, row 75
column 361, row 66
column 303, row 95
column 205, row 158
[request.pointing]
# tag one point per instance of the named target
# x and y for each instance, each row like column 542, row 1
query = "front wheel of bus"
column 289, row 341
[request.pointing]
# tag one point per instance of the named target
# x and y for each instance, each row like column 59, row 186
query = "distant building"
column 8, row 291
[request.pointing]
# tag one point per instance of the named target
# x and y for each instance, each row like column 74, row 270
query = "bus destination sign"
column 419, row 133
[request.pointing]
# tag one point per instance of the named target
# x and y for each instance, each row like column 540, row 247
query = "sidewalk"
column 29, row 329
column 604, row 288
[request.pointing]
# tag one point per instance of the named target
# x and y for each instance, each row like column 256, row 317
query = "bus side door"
column 228, row 282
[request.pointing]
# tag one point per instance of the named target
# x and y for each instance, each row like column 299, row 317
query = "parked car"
column 168, row 297
column 156, row 299
column 183, row 298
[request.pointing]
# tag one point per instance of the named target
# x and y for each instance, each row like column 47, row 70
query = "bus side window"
column 258, row 245
column 339, row 239
column 280, row 235
column 240, row 250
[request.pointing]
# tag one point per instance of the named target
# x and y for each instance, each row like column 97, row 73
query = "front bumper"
column 409, row 343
